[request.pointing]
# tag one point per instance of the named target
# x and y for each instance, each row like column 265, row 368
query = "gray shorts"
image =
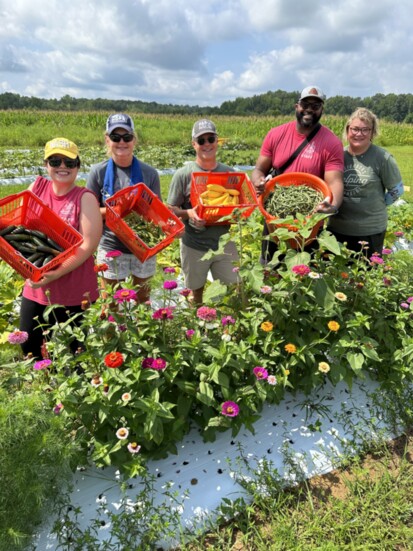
column 121, row 267
column 221, row 266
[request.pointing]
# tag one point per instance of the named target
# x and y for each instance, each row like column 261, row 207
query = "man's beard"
column 315, row 117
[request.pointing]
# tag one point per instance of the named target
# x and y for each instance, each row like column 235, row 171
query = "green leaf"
column 329, row 242
column 205, row 394
column 356, row 361
column 323, row 294
column 215, row 290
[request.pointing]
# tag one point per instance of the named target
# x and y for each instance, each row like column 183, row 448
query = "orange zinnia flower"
column 267, row 326
column 291, row 348
column 333, row 326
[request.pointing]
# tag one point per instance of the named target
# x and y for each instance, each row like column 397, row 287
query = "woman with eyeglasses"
column 73, row 284
column 372, row 182
column 120, row 170
column 199, row 238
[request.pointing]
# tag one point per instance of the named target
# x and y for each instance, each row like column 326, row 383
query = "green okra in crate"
column 34, row 245
column 149, row 232
column 284, row 201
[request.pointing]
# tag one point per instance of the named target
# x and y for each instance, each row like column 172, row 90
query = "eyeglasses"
column 315, row 106
column 210, row 139
column 118, row 137
column 55, row 162
column 357, row 130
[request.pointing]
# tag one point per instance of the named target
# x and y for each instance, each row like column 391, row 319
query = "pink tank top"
column 80, row 284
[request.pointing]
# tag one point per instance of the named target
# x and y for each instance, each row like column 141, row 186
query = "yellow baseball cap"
column 61, row 146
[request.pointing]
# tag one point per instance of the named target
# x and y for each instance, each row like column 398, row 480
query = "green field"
column 163, row 141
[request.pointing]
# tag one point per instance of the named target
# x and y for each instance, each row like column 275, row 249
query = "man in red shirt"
column 323, row 156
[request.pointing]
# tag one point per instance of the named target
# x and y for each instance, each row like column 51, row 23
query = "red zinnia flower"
column 114, row 359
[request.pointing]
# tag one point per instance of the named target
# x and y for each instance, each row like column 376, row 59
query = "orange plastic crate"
column 26, row 209
column 293, row 179
column 140, row 199
column 231, row 180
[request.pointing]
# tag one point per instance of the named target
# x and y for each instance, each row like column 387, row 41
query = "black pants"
column 374, row 242
column 30, row 310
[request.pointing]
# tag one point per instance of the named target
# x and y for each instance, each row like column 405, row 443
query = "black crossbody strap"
column 299, row 149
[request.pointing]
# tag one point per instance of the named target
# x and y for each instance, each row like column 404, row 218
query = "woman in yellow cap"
column 75, row 280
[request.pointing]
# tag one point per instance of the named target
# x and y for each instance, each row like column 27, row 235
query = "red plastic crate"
column 293, row 179
column 229, row 180
column 28, row 210
column 140, row 199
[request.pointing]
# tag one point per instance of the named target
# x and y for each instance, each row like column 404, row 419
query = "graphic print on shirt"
column 356, row 180
column 68, row 213
column 309, row 151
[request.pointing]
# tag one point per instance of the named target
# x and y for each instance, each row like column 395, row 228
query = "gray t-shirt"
column 95, row 181
column 207, row 237
column 367, row 177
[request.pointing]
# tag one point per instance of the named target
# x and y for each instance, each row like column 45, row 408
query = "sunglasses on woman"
column 118, row 137
column 55, row 162
column 210, row 139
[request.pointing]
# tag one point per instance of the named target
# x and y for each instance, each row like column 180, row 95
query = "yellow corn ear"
column 216, row 187
column 233, row 192
column 219, row 200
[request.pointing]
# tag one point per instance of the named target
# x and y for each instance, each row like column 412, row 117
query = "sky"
column 186, row 52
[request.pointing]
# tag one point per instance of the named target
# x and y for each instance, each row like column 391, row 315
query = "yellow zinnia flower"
column 291, row 348
column 267, row 326
column 333, row 326
column 323, row 367
column 341, row 296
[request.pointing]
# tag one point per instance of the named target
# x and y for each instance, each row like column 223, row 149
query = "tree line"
column 392, row 107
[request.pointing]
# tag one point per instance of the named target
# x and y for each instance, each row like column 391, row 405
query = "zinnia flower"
column 101, row 267
column 341, row 296
column 163, row 313
column 147, row 363
column 265, row 289
column 122, row 433
column 189, row 333
column 226, row 337
column 96, row 380
column 159, row 364
column 185, row 292
column 323, row 367
column 170, row 284
column 17, row 337
column 409, row 300
column 386, row 251
column 114, row 359
column 333, row 326
column 301, row 270
column 125, row 295
column 42, row 364
column 133, row 447
column 376, row 259
column 386, row 281
column 272, row 380
column 398, row 233
column 58, row 408
column 260, row 372
column 126, row 396
column 227, row 320
column 404, row 305
column 344, row 275
column 206, row 313
column 290, row 348
column 267, row 326
column 230, row 409
column 113, row 254
column 169, row 270
column 314, row 275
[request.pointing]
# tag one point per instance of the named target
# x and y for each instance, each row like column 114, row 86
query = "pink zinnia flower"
column 376, row 259
column 260, row 372
column 387, row 281
column 206, row 313
column 405, row 305
column 185, row 292
column 265, row 289
column 301, row 270
column 409, row 300
column 386, row 251
column 169, row 270
column 113, row 254
column 42, row 364
column 57, row 409
column 398, row 233
column 227, row 320
column 18, row 337
column 272, row 380
column 230, row 409
column 170, row 284
column 133, row 447
column 163, row 314
column 189, row 333
column 125, row 295
column 147, row 363
column 159, row 364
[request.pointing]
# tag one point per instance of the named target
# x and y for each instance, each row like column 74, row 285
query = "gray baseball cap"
column 313, row 92
column 203, row 126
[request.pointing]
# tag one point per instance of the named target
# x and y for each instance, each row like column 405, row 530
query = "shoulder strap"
column 300, row 148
